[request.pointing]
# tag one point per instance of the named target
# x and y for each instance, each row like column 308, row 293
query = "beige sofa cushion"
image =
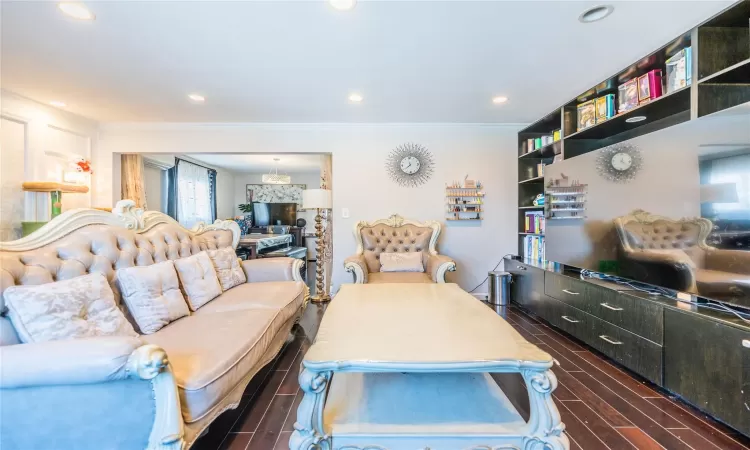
column 76, row 308
column 286, row 296
column 401, row 262
column 398, row 277
column 227, row 267
column 198, row 279
column 152, row 295
column 211, row 353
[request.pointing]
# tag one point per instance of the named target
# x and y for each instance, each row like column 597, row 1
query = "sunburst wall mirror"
column 410, row 165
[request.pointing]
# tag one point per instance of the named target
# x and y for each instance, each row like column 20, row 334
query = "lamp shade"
column 316, row 198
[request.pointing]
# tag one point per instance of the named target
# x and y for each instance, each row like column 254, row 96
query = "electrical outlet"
column 344, row 213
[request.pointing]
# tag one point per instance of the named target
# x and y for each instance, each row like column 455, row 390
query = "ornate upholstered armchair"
column 674, row 254
column 397, row 235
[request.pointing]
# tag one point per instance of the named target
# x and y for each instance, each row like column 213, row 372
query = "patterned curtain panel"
column 132, row 180
column 193, row 194
column 326, row 182
column 172, row 190
column 212, row 193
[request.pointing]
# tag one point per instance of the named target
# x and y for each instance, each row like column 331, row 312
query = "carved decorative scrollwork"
column 146, row 362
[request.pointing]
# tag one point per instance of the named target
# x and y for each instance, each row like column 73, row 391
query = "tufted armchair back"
column 395, row 235
column 87, row 241
column 641, row 231
column 383, row 238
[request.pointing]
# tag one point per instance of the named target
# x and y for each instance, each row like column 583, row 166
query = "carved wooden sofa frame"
column 146, row 363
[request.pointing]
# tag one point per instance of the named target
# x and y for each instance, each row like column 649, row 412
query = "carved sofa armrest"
column 657, row 268
column 272, row 269
column 55, row 373
column 438, row 265
column 79, row 361
column 358, row 267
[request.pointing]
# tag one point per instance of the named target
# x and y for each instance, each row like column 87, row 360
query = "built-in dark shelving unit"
column 720, row 79
column 677, row 347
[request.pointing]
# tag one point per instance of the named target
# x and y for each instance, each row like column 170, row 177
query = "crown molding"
column 181, row 126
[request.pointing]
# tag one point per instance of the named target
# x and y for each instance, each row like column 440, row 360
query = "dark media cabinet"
column 697, row 353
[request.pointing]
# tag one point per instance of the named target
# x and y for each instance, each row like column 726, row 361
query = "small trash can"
column 499, row 283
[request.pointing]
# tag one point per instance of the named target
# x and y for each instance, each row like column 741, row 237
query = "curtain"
column 193, row 194
column 734, row 170
column 327, row 257
column 172, row 190
column 212, row 193
column 132, row 180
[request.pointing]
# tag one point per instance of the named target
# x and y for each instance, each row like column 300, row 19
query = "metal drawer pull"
column 611, row 307
column 746, row 343
column 570, row 292
column 569, row 319
column 521, row 268
column 609, row 339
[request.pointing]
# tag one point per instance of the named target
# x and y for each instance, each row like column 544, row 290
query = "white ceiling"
column 288, row 162
column 297, row 61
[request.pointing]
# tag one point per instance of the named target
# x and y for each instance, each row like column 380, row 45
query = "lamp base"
column 325, row 298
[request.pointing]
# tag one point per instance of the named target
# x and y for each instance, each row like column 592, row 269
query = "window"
column 195, row 194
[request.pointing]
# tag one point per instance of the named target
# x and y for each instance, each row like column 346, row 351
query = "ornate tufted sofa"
column 396, row 235
column 156, row 391
column 674, row 254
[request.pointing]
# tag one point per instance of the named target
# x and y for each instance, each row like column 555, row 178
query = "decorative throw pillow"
column 198, row 279
column 152, row 294
column 401, row 262
column 77, row 308
column 227, row 267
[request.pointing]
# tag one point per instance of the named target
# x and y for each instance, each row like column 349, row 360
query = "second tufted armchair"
column 397, row 235
column 674, row 254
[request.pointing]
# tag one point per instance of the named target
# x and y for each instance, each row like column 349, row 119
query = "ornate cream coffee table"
column 406, row 366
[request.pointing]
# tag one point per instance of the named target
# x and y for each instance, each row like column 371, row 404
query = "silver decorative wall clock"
column 410, row 165
column 619, row 163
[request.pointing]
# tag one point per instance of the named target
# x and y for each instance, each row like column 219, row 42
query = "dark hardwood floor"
column 603, row 406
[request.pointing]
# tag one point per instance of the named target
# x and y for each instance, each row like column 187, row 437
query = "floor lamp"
column 318, row 199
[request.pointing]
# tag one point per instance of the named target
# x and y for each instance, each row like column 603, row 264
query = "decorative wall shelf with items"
column 464, row 201
column 566, row 202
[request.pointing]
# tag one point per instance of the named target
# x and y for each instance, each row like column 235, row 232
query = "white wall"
column 153, row 184
column 311, row 179
column 360, row 183
column 38, row 144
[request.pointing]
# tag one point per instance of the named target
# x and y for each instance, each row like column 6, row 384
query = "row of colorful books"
column 533, row 248
column 534, row 222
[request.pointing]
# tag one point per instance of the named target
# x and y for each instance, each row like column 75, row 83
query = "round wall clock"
column 619, row 163
column 409, row 165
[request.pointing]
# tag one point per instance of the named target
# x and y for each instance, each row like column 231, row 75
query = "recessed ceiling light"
column 499, row 99
column 76, row 10
column 57, row 103
column 355, row 98
column 343, row 5
column 596, row 13
column 635, row 119
column 196, row 98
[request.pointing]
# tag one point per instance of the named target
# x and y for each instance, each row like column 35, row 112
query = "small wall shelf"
column 464, row 203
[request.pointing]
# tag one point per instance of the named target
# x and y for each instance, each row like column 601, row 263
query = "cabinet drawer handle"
column 613, row 308
column 521, row 268
column 609, row 339
column 569, row 319
column 746, row 343
column 570, row 292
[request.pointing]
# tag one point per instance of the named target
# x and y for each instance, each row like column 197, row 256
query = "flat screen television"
column 678, row 216
column 265, row 214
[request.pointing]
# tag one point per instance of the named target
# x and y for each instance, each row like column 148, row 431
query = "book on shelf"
column 534, row 222
column 533, row 247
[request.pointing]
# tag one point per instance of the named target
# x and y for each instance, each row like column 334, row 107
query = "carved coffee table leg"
column 545, row 428
column 308, row 429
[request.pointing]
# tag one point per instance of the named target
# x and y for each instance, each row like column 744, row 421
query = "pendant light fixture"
column 273, row 176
